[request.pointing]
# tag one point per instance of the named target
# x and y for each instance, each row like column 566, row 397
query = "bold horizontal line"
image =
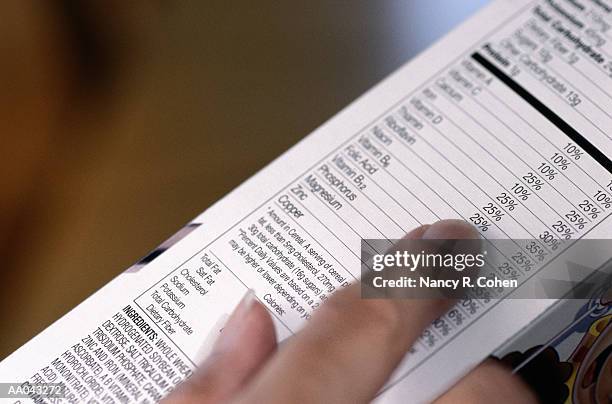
column 555, row 119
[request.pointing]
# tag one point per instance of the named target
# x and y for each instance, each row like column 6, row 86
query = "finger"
column 418, row 232
column 210, row 383
column 491, row 382
column 245, row 344
column 351, row 345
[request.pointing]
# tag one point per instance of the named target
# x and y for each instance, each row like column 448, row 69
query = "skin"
column 344, row 354
column 247, row 364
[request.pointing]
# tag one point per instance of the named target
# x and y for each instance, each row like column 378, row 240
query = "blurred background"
column 121, row 121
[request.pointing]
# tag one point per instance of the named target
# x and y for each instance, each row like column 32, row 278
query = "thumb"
column 244, row 345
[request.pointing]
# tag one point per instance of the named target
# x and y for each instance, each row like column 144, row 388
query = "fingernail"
column 244, row 306
column 235, row 324
column 450, row 229
column 416, row 234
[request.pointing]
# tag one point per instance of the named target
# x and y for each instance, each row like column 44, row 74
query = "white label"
column 504, row 123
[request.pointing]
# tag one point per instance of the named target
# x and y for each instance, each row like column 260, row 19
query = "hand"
column 345, row 353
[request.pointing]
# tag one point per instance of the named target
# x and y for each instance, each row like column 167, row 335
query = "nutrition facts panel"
column 506, row 124
column 512, row 137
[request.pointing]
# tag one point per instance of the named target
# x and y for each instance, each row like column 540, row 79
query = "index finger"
column 351, row 345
